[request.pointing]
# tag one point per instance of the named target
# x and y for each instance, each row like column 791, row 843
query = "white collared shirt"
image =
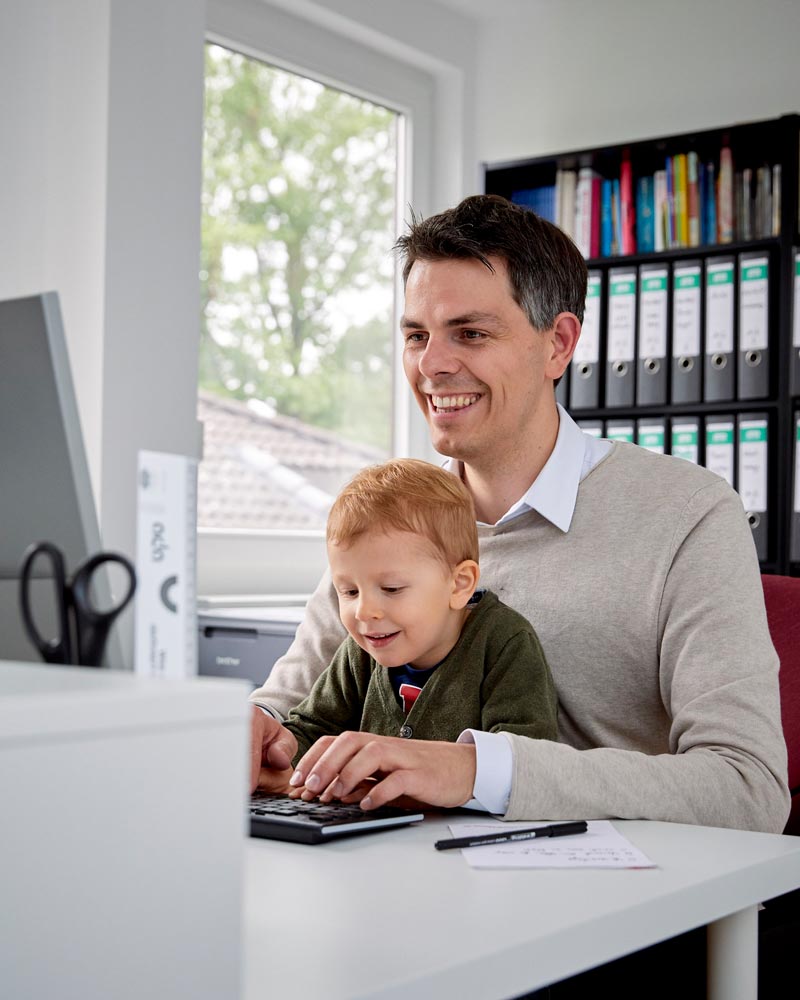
column 553, row 494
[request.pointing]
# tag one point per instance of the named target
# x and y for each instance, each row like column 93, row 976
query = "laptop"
column 278, row 817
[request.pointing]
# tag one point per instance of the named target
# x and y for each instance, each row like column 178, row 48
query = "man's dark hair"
column 546, row 270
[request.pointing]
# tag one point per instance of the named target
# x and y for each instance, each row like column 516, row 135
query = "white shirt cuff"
column 270, row 712
column 494, row 771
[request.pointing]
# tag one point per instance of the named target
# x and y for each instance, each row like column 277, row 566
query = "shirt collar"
column 554, row 492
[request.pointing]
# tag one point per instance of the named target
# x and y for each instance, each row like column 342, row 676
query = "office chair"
column 779, row 921
column 782, row 598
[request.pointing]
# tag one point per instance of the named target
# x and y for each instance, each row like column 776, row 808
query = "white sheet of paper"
column 602, row 846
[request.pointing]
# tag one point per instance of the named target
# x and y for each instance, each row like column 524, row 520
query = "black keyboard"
column 277, row 817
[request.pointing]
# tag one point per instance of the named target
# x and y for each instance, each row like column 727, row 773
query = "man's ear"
column 465, row 580
column 563, row 339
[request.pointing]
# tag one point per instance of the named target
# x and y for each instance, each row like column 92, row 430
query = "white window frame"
column 236, row 567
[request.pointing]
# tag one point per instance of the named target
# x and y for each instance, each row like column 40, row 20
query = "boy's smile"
column 397, row 598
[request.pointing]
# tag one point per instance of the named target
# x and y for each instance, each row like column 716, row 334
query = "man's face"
column 476, row 365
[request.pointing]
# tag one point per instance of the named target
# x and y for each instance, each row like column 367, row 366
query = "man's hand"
column 272, row 748
column 435, row 773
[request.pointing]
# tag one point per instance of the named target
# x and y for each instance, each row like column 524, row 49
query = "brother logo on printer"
column 228, row 661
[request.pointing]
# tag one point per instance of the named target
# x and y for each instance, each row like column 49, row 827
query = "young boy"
column 427, row 655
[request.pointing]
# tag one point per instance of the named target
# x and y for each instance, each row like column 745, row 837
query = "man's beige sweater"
column 651, row 615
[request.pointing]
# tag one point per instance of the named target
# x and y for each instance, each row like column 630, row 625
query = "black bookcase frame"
column 771, row 141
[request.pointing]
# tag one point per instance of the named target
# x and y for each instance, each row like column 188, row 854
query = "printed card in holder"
column 687, row 382
column 718, row 370
column 686, row 439
column 621, row 352
column 754, row 364
column 753, row 476
column 584, row 390
column 166, row 558
column 651, row 381
column 720, row 448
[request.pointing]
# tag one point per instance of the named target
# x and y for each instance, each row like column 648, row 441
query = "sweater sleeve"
column 518, row 694
column 318, row 637
column 718, row 671
column 334, row 704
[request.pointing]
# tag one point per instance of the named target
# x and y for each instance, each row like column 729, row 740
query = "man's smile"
column 453, row 403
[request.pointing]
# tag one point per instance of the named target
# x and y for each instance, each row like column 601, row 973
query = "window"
column 300, row 188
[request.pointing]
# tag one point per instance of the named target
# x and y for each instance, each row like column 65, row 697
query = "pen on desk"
column 554, row 830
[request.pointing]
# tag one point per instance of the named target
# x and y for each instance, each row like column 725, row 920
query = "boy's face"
column 397, row 598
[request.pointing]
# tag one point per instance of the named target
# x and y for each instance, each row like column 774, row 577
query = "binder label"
column 754, row 304
column 652, row 438
column 622, row 317
column 686, row 312
column 653, row 314
column 719, row 450
column 796, row 321
column 620, row 433
column 685, row 442
column 753, row 464
column 719, row 308
column 587, row 350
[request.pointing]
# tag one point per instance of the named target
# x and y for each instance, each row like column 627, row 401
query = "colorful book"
column 710, row 206
column 725, row 197
column 660, row 194
column 693, row 199
column 569, row 180
column 681, row 217
column 645, row 214
column 606, row 220
column 776, row 205
column 763, row 213
column 586, row 206
column 616, row 220
column 627, row 207
column 670, row 213
column 540, row 200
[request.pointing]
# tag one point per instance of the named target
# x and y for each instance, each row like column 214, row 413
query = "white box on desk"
column 122, row 834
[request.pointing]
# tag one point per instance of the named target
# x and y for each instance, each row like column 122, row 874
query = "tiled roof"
column 269, row 471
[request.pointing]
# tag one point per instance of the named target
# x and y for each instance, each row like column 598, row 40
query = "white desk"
column 121, row 854
column 323, row 922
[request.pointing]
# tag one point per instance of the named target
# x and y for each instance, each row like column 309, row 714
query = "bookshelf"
column 691, row 340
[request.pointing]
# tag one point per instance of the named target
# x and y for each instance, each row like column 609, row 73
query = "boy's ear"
column 465, row 580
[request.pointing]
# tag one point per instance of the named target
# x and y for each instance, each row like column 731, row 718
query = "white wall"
column 53, row 138
column 581, row 73
column 100, row 181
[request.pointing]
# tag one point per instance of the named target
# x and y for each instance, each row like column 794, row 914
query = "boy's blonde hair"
column 407, row 494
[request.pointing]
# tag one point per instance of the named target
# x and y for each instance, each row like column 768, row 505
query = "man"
column 638, row 571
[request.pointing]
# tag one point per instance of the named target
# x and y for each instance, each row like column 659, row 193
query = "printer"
column 245, row 642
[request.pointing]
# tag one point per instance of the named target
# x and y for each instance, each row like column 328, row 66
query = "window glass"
column 297, row 285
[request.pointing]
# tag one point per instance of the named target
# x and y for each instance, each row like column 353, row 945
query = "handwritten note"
column 602, row 846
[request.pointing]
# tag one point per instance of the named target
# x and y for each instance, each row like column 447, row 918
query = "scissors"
column 82, row 629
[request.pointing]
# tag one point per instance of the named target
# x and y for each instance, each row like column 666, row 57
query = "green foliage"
column 298, row 208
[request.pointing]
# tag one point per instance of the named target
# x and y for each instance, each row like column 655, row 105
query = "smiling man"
column 637, row 570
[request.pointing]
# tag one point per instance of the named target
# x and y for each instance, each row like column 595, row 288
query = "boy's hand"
column 435, row 773
column 272, row 748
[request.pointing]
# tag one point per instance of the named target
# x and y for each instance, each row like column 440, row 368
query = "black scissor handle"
column 93, row 625
column 58, row 649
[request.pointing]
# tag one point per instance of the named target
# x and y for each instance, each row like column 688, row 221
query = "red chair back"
column 782, row 598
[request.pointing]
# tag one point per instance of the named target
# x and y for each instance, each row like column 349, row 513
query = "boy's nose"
column 368, row 610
